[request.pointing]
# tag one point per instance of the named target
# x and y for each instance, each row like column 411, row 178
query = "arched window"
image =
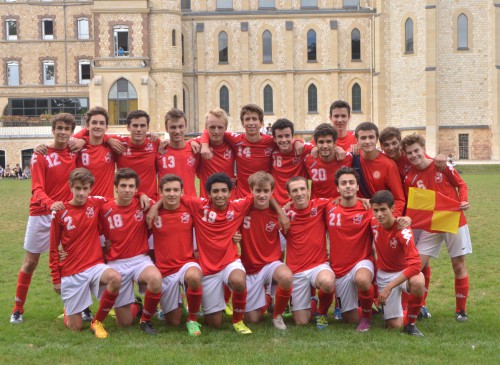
column 356, row 98
column 463, row 31
column 267, row 47
column 174, row 38
column 122, row 99
column 311, row 45
column 409, row 36
column 224, row 99
column 223, row 48
column 268, row 99
column 355, row 44
column 182, row 47
column 312, row 99
column 175, row 101
column 184, row 100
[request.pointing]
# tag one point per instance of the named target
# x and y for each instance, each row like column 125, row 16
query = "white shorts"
column 282, row 242
column 302, row 282
column 459, row 244
column 392, row 307
column 346, row 290
column 130, row 269
column 258, row 283
column 76, row 289
column 212, row 300
column 37, row 237
column 151, row 243
column 171, row 296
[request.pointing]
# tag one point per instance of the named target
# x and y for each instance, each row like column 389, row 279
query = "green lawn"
column 42, row 338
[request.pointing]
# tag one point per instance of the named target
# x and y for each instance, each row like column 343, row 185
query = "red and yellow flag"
column 432, row 211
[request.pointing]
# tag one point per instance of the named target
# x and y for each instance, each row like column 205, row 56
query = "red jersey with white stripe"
column 141, row 159
column 286, row 166
column 173, row 238
column 322, row 175
column 306, row 238
column 181, row 162
column 448, row 182
column 250, row 157
column 381, row 173
column 350, row 236
column 215, row 229
column 100, row 161
column 49, row 179
column 347, row 141
column 125, row 227
column 76, row 229
column 260, row 244
column 396, row 249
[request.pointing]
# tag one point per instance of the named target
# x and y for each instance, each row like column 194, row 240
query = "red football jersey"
column 260, row 244
column 250, row 157
column 222, row 161
column 214, row 230
column 76, row 229
column 396, row 249
column 381, row 173
column 404, row 166
column 347, row 141
column 306, row 238
column 50, row 179
column 350, row 236
column 447, row 182
column 126, row 228
column 100, row 161
column 322, row 175
column 173, row 238
column 141, row 159
column 181, row 162
column 286, row 166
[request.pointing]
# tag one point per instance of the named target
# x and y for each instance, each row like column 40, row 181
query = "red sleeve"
column 457, row 181
column 38, row 180
column 405, row 236
column 55, row 239
column 396, row 188
column 84, row 132
column 307, row 149
column 205, row 137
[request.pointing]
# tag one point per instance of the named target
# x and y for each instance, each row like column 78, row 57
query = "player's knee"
column 114, row 281
column 75, row 327
column 124, row 321
column 253, row 317
column 154, row 284
column 29, row 264
column 193, row 279
column 458, row 264
column 285, row 279
column 238, row 283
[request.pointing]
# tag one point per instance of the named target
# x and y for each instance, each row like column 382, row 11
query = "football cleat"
column 147, row 328
column 16, row 317
column 279, row 323
column 98, row 329
column 321, row 321
column 87, row 315
column 461, row 316
column 364, row 325
column 193, row 328
column 424, row 313
column 412, row 330
column 241, row 328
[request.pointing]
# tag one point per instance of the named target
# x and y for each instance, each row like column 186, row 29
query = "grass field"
column 42, row 338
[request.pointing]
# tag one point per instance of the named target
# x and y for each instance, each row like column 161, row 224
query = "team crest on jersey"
column 357, row 219
column 227, row 154
column 185, row 218
column 139, row 215
column 376, row 174
column 439, row 177
column 190, row 161
column 90, row 212
column 109, row 157
column 393, row 243
column 269, row 151
column 149, row 147
column 270, row 226
column 314, row 212
column 230, row 215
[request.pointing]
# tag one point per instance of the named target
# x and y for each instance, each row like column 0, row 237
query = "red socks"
column 239, row 304
column 107, row 302
column 365, row 301
column 414, row 305
column 227, row 293
column 427, row 277
column 194, row 302
column 461, row 293
column 23, row 284
column 325, row 301
column 150, row 303
column 281, row 300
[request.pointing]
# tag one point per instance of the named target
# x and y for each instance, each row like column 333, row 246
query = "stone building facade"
column 430, row 67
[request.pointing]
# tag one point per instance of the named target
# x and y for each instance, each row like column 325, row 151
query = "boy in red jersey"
column 398, row 265
column 321, row 170
column 178, row 157
column 175, row 256
column 351, row 256
column 425, row 175
column 127, row 248
column 376, row 170
column 261, row 254
column 223, row 154
column 340, row 115
column 76, row 229
column 286, row 163
column 49, row 186
column 306, row 253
